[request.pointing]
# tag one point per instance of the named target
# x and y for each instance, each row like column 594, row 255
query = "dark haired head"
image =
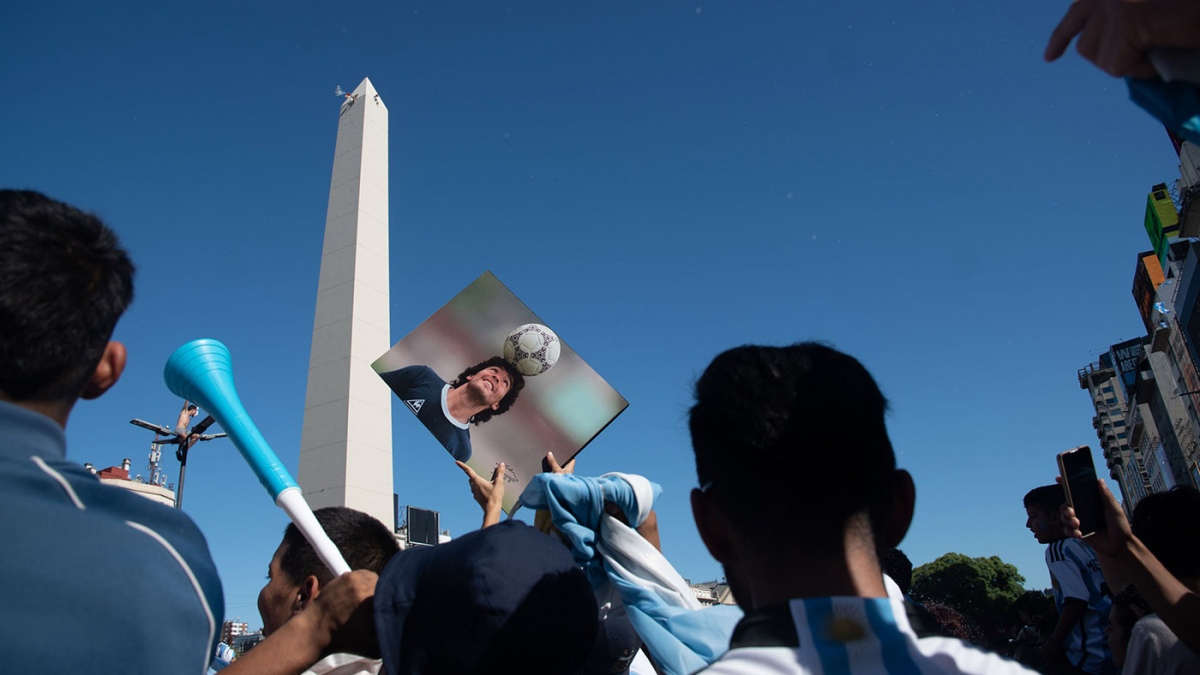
column 770, row 423
column 64, row 282
column 364, row 542
column 897, row 566
column 1129, row 606
column 1047, row 498
column 1168, row 523
column 518, row 383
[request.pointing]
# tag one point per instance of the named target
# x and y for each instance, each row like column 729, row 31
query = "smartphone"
column 1082, row 489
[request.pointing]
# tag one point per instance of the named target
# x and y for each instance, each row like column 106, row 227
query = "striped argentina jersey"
column 858, row 636
column 1075, row 573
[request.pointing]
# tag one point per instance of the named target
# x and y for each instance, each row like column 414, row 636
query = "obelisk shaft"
column 346, row 445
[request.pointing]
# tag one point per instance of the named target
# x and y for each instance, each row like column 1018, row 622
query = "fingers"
column 554, row 467
column 1071, row 25
column 498, row 482
column 467, row 470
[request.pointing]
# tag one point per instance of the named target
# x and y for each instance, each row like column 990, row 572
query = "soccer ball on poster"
column 533, row 349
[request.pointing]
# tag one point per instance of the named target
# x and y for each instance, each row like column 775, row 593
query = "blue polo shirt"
column 95, row 579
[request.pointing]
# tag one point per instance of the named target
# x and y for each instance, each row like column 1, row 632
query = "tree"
column 984, row 589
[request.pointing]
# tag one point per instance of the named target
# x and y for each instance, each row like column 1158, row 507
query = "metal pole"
column 181, row 454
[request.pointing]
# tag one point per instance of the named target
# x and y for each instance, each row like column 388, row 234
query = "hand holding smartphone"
column 1079, row 481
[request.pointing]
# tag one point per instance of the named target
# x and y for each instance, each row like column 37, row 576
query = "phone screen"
column 1083, row 493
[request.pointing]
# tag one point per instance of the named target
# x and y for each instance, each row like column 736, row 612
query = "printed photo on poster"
column 494, row 383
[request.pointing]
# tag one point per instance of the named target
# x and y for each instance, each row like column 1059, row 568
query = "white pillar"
column 346, row 445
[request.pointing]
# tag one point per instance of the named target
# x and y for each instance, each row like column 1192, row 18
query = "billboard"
column 1125, row 357
column 1146, row 280
column 1161, row 222
column 422, row 526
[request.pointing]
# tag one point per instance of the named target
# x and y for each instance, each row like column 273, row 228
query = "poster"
column 494, row 383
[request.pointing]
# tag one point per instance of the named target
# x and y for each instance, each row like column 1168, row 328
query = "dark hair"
column 1168, row 523
column 1129, row 606
column 64, row 282
column 766, row 418
column 1047, row 498
column 518, row 383
column 897, row 566
column 365, row 543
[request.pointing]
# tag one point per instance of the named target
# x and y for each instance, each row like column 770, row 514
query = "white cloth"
column 679, row 634
column 1154, row 650
column 345, row 664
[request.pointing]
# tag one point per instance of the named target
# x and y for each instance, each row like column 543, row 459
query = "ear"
column 108, row 371
column 713, row 528
column 310, row 588
column 900, row 515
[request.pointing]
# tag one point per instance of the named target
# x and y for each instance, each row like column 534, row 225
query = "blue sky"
column 659, row 181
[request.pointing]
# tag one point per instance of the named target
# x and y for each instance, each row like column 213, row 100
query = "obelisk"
column 346, row 444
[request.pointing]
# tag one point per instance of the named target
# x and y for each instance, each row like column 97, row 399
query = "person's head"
column 791, row 445
column 505, row 598
column 493, row 385
column 1042, row 506
column 1127, row 607
column 897, row 566
column 1168, row 523
column 192, row 409
column 296, row 574
column 64, row 282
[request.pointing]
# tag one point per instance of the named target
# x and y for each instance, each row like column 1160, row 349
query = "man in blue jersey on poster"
column 448, row 409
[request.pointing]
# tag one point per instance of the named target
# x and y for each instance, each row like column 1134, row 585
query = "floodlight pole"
column 185, row 443
column 185, row 440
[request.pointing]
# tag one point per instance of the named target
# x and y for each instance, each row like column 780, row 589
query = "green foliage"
column 984, row 589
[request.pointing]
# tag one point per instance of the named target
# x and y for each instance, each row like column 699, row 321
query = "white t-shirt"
column 346, row 664
column 1154, row 650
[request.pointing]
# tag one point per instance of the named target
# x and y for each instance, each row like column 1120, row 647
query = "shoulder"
column 1068, row 552
column 345, row 664
column 746, row 660
column 956, row 656
column 412, row 376
column 78, row 535
column 1151, row 631
column 1148, row 643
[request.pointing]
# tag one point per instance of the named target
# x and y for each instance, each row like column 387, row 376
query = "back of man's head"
column 364, row 542
column 1168, row 523
column 64, row 282
column 791, row 441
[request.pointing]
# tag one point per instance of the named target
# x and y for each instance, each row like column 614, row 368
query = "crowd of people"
column 585, row 589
